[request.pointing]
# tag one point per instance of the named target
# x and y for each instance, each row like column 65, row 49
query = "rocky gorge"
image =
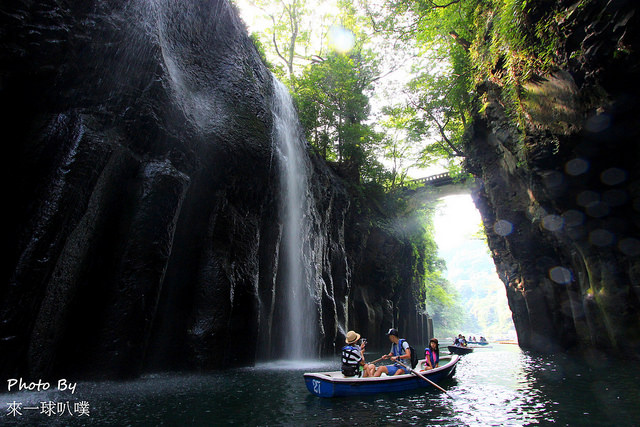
column 145, row 205
column 146, row 229
column 559, row 194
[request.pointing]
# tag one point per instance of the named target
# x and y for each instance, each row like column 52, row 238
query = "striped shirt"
column 351, row 355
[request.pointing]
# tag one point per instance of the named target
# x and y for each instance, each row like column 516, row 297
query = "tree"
column 333, row 106
column 442, row 108
column 291, row 34
column 331, row 84
column 401, row 138
column 438, row 97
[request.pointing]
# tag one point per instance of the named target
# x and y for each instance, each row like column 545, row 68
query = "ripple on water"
column 494, row 386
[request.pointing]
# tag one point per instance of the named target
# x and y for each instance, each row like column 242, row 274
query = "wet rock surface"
column 144, row 228
column 559, row 201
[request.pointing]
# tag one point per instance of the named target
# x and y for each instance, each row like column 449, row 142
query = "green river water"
column 496, row 386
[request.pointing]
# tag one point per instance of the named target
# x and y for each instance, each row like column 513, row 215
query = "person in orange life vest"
column 398, row 351
column 432, row 355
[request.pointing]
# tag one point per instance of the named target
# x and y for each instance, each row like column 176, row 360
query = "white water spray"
column 300, row 324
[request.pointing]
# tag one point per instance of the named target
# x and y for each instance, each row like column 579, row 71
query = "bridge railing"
column 433, row 180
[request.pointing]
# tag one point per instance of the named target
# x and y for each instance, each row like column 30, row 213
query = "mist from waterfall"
column 292, row 328
column 299, row 321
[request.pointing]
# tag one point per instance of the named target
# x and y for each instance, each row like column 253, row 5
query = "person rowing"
column 399, row 350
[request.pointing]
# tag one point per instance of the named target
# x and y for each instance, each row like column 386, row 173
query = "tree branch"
column 460, row 40
column 441, row 130
column 434, row 4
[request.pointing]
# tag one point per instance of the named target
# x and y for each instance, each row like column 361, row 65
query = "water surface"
column 501, row 385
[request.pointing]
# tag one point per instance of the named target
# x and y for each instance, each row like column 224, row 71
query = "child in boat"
column 432, row 355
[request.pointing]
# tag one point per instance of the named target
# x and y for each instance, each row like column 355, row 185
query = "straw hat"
column 352, row 337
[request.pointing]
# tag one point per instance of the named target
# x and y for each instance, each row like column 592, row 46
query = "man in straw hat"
column 353, row 363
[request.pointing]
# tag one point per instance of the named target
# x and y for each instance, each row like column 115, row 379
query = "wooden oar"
column 423, row 377
column 377, row 360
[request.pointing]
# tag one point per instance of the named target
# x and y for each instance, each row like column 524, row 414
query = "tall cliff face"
column 144, row 223
column 560, row 198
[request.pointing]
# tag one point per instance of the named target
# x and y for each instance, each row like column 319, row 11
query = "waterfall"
column 299, row 318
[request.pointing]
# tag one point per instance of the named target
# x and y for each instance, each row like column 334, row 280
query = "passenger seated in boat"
column 432, row 355
column 399, row 350
column 463, row 341
column 353, row 364
column 458, row 341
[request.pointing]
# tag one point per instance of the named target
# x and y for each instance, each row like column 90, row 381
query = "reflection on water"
column 493, row 386
column 503, row 392
column 296, row 365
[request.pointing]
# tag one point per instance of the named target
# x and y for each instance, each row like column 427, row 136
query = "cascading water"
column 299, row 321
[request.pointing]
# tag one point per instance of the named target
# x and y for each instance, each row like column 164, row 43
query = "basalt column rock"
column 560, row 199
column 140, row 132
column 387, row 276
column 144, row 221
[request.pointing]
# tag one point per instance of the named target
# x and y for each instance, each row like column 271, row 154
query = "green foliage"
column 333, row 108
column 465, row 44
column 516, row 41
column 456, row 47
column 439, row 96
column 440, row 298
column 444, row 305
column 261, row 51
column 289, row 33
column 397, row 146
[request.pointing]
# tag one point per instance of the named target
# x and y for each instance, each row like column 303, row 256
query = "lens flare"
column 629, row 246
column 554, row 179
column 598, row 210
column 573, row 218
column 601, row 237
column 560, row 275
column 576, row 166
column 340, row 39
column 588, row 198
column 597, row 123
column 503, row 227
column 552, row 222
column 613, row 176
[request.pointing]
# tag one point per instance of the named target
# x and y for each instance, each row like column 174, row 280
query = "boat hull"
column 325, row 385
column 454, row 349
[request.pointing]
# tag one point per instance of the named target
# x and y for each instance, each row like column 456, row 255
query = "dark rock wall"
column 143, row 199
column 570, row 189
column 387, row 277
column 136, row 130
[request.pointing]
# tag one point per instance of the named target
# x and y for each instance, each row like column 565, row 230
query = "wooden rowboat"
column 455, row 349
column 334, row 384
